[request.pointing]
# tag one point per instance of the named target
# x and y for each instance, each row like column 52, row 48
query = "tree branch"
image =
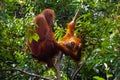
column 24, row 72
column 75, row 73
column 76, row 14
column 57, row 65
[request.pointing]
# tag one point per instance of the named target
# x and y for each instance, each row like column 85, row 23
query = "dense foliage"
column 98, row 21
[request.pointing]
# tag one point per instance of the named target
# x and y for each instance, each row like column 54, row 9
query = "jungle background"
column 98, row 21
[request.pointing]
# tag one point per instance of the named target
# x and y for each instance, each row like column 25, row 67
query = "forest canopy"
column 98, row 22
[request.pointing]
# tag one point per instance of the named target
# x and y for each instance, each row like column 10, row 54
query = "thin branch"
column 24, row 72
column 57, row 65
column 75, row 73
column 75, row 17
column 76, row 14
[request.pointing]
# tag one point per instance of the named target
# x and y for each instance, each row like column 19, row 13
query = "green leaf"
column 50, row 73
column 109, row 75
column 35, row 36
column 98, row 78
column 30, row 39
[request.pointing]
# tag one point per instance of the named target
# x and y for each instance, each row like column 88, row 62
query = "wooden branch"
column 76, row 14
column 57, row 65
column 24, row 72
column 75, row 17
column 82, row 65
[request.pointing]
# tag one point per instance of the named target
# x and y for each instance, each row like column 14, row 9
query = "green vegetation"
column 98, row 21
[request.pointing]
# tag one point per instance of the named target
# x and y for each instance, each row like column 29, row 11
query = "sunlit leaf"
column 35, row 36
column 98, row 78
column 109, row 75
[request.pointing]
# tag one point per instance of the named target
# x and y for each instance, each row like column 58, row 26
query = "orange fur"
column 46, row 47
column 73, row 43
